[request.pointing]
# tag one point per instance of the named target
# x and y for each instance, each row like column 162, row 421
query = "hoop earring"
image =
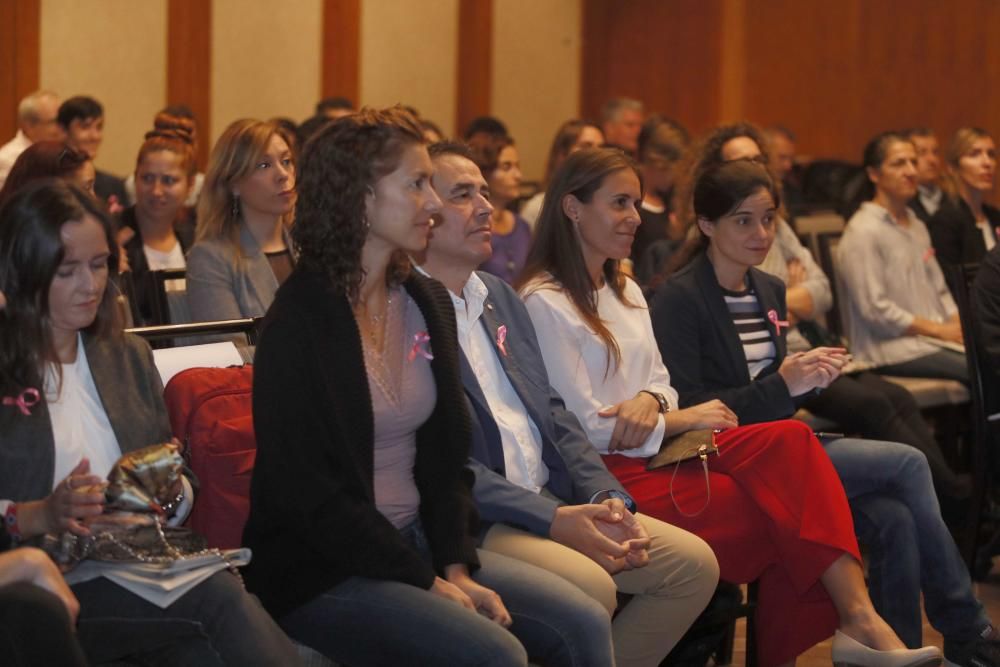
column 236, row 206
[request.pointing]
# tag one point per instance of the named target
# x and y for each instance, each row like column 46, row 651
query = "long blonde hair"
column 234, row 157
column 959, row 145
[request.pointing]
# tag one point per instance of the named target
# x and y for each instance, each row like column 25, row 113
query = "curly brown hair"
column 339, row 167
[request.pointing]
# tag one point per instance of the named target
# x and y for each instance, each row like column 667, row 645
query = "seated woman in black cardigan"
column 362, row 521
column 720, row 325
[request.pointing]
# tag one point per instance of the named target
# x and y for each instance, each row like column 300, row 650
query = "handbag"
column 144, row 488
column 695, row 444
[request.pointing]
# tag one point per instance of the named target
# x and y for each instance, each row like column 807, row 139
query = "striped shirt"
column 758, row 348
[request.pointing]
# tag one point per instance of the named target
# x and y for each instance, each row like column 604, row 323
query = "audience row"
column 420, row 447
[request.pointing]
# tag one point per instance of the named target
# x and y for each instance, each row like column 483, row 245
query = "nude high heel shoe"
column 848, row 652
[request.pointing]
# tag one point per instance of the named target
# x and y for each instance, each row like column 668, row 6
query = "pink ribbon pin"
column 773, row 316
column 419, row 340
column 502, row 338
column 930, row 252
column 24, row 401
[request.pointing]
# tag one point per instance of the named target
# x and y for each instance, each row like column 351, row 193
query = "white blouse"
column 577, row 360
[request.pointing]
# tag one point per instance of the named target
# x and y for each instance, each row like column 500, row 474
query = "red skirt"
column 777, row 514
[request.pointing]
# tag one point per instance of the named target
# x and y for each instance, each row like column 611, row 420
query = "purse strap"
column 702, row 453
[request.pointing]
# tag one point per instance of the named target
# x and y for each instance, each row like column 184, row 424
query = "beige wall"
column 408, row 54
column 536, row 72
column 266, row 60
column 114, row 51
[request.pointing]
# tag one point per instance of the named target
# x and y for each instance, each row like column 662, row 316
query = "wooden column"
column 189, row 64
column 475, row 61
column 19, row 45
column 341, row 69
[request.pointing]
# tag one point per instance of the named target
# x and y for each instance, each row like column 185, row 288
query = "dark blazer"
column 702, row 351
column 986, row 302
column 918, row 207
column 313, row 520
column 131, row 393
column 142, row 286
column 576, row 471
column 954, row 234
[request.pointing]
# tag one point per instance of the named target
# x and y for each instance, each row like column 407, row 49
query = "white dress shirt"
column 522, row 442
column 9, row 153
column 578, row 364
column 891, row 277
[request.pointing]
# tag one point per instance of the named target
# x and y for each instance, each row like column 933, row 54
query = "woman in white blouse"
column 903, row 319
column 749, row 502
column 76, row 394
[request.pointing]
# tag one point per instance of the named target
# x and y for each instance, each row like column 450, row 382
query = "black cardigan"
column 313, row 520
column 702, row 350
column 954, row 234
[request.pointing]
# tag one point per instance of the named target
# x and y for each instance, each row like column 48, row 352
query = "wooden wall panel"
column 475, row 62
column 189, row 64
column 341, row 72
column 666, row 53
column 834, row 72
column 19, row 47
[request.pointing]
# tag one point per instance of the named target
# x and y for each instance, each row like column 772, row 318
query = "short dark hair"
column 333, row 103
column 488, row 125
column 80, row 107
column 451, row 147
column 723, row 187
column 919, row 131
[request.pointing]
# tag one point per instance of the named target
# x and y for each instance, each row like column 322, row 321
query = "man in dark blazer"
column 541, row 487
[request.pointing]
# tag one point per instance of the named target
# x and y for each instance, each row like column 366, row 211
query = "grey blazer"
column 131, row 394
column 221, row 288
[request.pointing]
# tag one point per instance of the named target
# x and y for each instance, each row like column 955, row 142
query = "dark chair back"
column 162, row 336
column 836, row 318
column 157, row 290
column 961, row 279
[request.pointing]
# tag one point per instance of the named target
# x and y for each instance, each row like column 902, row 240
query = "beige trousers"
column 669, row 592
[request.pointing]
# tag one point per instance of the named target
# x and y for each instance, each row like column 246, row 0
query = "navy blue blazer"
column 576, row 471
column 702, row 350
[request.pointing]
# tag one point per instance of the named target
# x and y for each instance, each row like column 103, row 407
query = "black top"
column 702, row 350
column 954, row 234
column 107, row 186
column 142, row 285
column 986, row 302
column 313, row 520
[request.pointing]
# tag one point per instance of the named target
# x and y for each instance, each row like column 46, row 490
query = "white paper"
column 946, row 344
column 159, row 584
column 172, row 360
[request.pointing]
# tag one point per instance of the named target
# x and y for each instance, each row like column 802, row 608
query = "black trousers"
column 870, row 405
column 35, row 629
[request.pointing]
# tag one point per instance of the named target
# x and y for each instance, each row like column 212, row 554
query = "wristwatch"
column 614, row 493
column 660, row 398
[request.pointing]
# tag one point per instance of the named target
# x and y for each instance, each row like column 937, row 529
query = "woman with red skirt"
column 770, row 503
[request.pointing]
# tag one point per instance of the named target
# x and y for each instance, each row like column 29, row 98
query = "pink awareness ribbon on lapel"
column 420, row 339
column 24, row 401
column 502, row 339
column 773, row 316
column 930, row 252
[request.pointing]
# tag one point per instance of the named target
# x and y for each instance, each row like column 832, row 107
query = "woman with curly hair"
column 362, row 521
column 242, row 251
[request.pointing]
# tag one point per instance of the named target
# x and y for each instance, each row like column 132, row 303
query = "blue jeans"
column 216, row 623
column 377, row 622
column 896, row 515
